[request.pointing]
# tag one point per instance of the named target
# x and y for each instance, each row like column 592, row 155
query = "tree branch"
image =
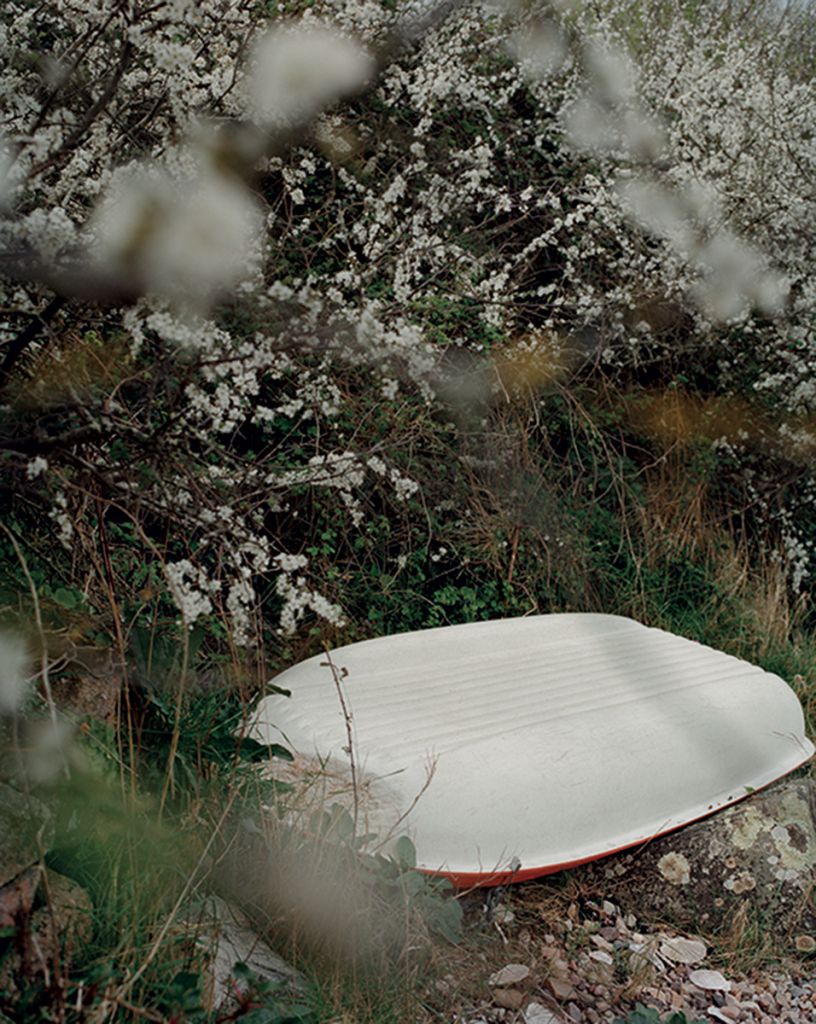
column 18, row 345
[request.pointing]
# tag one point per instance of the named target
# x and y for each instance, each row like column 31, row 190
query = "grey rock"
column 52, row 934
column 229, row 936
column 755, row 858
column 25, row 831
column 69, row 910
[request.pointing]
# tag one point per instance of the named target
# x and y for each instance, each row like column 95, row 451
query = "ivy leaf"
column 405, row 852
column 66, row 598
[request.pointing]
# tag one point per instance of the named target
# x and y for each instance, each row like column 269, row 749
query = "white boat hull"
column 517, row 747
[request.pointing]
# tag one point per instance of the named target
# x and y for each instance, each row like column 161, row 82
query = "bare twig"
column 18, row 345
column 430, row 771
column 91, row 114
column 338, row 675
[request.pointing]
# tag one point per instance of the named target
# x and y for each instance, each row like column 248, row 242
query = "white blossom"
column 191, row 589
column 392, row 246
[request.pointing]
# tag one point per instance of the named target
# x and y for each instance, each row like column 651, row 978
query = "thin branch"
column 40, row 443
column 91, row 114
column 18, row 345
column 338, row 675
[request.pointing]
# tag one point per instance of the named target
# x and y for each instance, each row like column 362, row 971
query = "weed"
column 648, row 1015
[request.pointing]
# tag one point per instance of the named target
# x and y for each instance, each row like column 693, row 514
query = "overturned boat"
column 515, row 748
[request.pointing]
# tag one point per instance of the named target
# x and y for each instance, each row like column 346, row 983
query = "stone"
column 26, row 830
column 562, row 990
column 537, row 1013
column 550, row 951
column 511, row 974
column 503, row 915
column 683, row 951
column 676, row 1001
column 227, row 936
column 69, row 909
column 49, row 935
column 755, row 858
column 674, row 868
column 641, row 970
column 17, row 897
column 92, row 695
column 509, row 998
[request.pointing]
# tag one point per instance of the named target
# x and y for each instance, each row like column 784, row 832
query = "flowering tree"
column 219, row 230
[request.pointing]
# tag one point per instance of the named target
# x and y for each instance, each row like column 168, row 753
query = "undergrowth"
column 577, row 510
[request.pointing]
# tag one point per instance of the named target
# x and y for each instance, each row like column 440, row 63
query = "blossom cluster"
column 267, row 209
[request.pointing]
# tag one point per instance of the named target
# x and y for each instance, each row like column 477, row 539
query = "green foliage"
column 394, row 880
column 648, row 1015
column 210, row 736
column 429, row 897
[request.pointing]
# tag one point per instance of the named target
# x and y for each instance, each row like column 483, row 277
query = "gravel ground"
column 601, row 965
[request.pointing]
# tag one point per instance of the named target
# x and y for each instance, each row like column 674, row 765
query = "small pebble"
column 509, row 998
column 709, row 981
column 536, row 1013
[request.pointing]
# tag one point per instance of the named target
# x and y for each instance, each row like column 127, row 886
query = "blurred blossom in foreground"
column 609, row 119
column 658, row 211
column 589, row 127
column 734, row 276
column 612, row 72
column 539, row 50
column 297, row 70
column 47, row 752
column 592, row 127
column 185, row 241
column 6, row 160
column 14, row 660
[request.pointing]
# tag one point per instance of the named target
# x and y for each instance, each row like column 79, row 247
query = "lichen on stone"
column 675, row 868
